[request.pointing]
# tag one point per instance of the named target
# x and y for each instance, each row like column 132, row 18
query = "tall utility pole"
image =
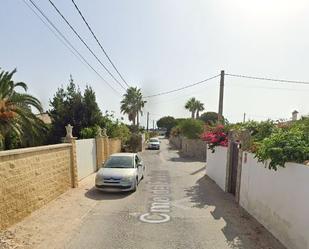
column 220, row 112
column 153, row 125
column 244, row 118
column 147, row 121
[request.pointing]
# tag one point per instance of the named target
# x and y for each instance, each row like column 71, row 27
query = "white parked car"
column 120, row 172
column 154, row 143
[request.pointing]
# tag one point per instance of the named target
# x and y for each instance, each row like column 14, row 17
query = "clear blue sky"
column 160, row 45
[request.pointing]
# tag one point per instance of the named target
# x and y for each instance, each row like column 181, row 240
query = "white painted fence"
column 86, row 157
column 216, row 166
column 278, row 199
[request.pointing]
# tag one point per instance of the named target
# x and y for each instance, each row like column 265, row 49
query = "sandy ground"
column 54, row 223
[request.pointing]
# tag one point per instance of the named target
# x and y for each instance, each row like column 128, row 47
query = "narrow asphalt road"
column 175, row 206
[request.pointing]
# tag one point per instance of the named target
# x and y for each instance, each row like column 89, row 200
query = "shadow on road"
column 198, row 171
column 183, row 159
column 241, row 230
column 95, row 194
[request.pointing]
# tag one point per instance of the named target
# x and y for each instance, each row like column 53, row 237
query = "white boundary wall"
column 85, row 157
column 216, row 166
column 278, row 199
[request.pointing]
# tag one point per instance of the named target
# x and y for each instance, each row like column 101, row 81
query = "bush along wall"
column 273, row 143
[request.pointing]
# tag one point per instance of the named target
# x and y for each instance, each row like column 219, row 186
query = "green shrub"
column 284, row 146
column 89, row 132
column 119, row 130
column 258, row 130
column 191, row 128
column 278, row 142
column 176, row 131
column 133, row 143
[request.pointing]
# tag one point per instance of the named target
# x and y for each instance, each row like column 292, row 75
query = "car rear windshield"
column 119, row 162
column 154, row 140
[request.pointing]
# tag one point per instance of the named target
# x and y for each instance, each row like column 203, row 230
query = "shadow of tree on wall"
column 241, row 230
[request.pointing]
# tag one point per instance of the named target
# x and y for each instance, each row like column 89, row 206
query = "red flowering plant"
column 215, row 136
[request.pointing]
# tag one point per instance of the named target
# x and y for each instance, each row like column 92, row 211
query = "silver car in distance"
column 120, row 172
column 154, row 143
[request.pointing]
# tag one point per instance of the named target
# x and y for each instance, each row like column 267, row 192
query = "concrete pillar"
column 73, row 167
column 99, row 151
column 228, row 160
column 106, row 152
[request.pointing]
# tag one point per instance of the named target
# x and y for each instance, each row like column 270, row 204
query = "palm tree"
column 16, row 116
column 191, row 106
column 199, row 107
column 132, row 104
column 194, row 106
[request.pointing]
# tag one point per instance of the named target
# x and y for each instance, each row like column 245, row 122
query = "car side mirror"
column 139, row 165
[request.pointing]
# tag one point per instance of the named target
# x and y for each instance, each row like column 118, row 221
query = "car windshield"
column 153, row 140
column 119, row 162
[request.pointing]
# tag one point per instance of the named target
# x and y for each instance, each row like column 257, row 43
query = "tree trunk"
column 192, row 114
column 137, row 116
column 197, row 115
column 133, row 121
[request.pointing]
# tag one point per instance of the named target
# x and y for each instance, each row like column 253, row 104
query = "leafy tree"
column 114, row 129
column 191, row 128
column 92, row 112
column 179, row 120
column 210, row 118
column 70, row 106
column 89, row 132
column 133, row 104
column 168, row 123
column 284, row 146
column 19, row 126
column 120, row 130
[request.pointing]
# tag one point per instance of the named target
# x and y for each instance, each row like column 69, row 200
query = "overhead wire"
column 100, row 45
column 267, row 79
column 182, row 88
column 86, row 45
column 54, row 32
column 232, row 75
column 68, row 43
column 265, row 87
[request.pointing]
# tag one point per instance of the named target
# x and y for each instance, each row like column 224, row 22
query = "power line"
column 268, row 79
column 82, row 40
column 53, row 31
column 65, row 39
column 265, row 87
column 95, row 37
column 182, row 88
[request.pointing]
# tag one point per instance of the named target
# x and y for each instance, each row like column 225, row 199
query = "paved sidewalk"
column 55, row 223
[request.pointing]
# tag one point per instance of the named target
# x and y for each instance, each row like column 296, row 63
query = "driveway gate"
column 85, row 157
column 234, row 156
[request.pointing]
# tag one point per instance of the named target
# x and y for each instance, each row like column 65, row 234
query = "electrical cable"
column 65, row 39
column 82, row 40
column 181, row 88
column 267, row 79
column 97, row 40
